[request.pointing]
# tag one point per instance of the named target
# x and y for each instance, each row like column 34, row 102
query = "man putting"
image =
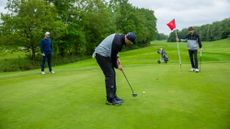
column 106, row 54
column 193, row 43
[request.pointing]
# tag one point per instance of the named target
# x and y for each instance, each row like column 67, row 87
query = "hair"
column 190, row 28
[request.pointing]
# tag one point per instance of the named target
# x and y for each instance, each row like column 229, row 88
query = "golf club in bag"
column 133, row 93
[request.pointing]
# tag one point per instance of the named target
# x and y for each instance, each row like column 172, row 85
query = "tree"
column 161, row 36
column 28, row 21
column 129, row 18
column 145, row 23
column 97, row 23
column 172, row 36
column 76, row 26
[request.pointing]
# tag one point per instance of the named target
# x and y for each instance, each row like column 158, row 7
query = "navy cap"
column 131, row 37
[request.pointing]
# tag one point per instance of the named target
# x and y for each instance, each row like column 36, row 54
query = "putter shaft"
column 128, row 81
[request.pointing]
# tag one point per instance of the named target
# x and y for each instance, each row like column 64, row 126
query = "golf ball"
column 143, row 92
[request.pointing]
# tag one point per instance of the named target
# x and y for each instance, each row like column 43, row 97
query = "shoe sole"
column 107, row 103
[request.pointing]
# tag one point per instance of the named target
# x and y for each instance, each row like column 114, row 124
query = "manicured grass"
column 74, row 97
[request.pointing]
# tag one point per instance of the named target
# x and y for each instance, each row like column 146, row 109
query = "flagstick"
column 178, row 49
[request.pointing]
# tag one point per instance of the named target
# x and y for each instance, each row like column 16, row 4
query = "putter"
column 133, row 93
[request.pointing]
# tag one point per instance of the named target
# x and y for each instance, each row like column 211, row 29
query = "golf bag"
column 163, row 56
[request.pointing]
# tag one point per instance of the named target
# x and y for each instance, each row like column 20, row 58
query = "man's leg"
column 114, row 81
column 195, row 59
column 109, row 73
column 191, row 58
column 43, row 63
column 115, row 89
column 49, row 58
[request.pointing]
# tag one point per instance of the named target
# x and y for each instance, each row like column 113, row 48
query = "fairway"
column 168, row 97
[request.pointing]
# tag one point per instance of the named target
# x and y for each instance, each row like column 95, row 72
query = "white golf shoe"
column 52, row 72
column 43, row 73
column 192, row 70
column 197, row 70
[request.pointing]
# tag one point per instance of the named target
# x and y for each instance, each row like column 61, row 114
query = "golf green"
column 168, row 97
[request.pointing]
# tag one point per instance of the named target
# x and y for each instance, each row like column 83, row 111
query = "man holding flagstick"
column 193, row 43
column 172, row 26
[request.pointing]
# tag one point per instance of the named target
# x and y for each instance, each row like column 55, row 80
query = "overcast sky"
column 2, row 5
column 186, row 12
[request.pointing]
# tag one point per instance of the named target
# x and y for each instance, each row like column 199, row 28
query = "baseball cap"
column 47, row 33
column 131, row 37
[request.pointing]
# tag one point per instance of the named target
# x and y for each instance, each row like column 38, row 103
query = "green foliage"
column 129, row 18
column 15, row 59
column 172, row 36
column 97, row 23
column 161, row 36
column 76, row 26
column 27, row 23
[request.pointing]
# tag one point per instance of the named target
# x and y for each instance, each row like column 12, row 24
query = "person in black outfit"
column 106, row 54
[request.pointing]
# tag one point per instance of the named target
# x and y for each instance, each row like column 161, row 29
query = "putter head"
column 134, row 94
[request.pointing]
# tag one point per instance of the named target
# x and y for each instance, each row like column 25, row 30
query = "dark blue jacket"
column 46, row 46
column 118, row 42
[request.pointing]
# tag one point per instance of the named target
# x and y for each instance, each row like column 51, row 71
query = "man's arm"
column 185, row 39
column 42, row 48
column 114, row 56
column 116, row 47
column 199, row 42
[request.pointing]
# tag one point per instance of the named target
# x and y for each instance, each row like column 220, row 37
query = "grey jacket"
column 193, row 41
column 110, row 47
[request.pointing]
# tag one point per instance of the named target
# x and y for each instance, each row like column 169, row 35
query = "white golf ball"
column 143, row 92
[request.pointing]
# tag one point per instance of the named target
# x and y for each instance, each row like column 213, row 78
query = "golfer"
column 106, row 54
column 193, row 43
column 46, row 50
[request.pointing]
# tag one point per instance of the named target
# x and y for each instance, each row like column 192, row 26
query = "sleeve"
column 41, row 46
column 185, row 39
column 199, row 42
column 114, row 54
column 51, row 44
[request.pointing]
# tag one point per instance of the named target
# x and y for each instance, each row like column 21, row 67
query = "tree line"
column 209, row 32
column 76, row 26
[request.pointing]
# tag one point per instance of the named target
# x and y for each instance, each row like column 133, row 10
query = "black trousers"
column 193, row 58
column 110, row 75
column 48, row 57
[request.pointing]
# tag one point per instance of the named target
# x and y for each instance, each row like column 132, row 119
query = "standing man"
column 193, row 43
column 46, row 50
column 106, row 54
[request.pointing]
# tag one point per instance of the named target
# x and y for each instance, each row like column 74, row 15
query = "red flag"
column 172, row 24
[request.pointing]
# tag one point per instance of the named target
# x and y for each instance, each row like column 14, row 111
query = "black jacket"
column 118, row 42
